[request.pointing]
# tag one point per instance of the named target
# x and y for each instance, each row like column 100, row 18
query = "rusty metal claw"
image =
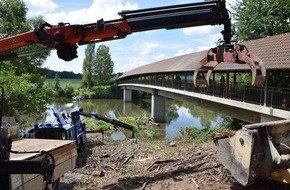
column 230, row 53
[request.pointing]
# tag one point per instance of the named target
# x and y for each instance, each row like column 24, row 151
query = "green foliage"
column 22, row 96
column 57, row 86
column 279, row 79
column 231, row 123
column 101, row 92
column 107, row 92
column 205, row 134
column 21, row 78
column 97, row 67
column 68, row 90
column 205, row 116
column 12, row 19
column 103, row 68
column 139, row 123
column 257, row 19
column 140, row 95
column 75, row 83
column 88, row 66
column 50, row 74
column 94, row 124
column 62, row 88
column 202, row 135
column 141, row 126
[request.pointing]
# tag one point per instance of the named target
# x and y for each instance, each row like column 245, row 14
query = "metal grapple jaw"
column 231, row 53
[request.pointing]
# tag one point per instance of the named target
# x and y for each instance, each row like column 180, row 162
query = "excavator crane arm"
column 114, row 122
column 65, row 38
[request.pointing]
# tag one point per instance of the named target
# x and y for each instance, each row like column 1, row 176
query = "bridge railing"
column 276, row 97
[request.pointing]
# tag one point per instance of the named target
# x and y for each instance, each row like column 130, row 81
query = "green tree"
column 57, row 87
column 12, row 17
column 23, row 81
column 68, row 90
column 257, row 19
column 103, row 68
column 88, row 67
column 21, row 96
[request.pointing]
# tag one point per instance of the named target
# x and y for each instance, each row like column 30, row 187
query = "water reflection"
column 178, row 114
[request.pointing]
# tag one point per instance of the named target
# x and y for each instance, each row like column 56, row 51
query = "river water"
column 178, row 114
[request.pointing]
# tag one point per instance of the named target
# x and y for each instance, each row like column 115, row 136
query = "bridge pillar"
column 127, row 95
column 158, row 108
column 127, row 108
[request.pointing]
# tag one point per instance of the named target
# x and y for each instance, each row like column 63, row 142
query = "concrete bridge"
column 172, row 78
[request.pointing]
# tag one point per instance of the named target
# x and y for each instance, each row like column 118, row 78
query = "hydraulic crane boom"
column 114, row 122
column 65, row 38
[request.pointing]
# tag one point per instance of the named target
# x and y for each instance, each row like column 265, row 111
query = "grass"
column 74, row 82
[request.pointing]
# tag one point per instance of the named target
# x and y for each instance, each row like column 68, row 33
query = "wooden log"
column 267, row 124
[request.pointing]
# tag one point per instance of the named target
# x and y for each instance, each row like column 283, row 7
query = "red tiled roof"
column 274, row 52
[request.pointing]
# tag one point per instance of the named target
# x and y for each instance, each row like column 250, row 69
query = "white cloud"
column 160, row 56
column 132, row 65
column 148, row 47
column 36, row 7
column 182, row 111
column 106, row 9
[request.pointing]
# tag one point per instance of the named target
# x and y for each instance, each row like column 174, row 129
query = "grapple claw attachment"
column 201, row 83
column 234, row 53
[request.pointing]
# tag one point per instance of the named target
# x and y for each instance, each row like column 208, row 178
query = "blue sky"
column 135, row 50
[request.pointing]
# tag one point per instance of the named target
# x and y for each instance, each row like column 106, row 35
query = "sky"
column 136, row 49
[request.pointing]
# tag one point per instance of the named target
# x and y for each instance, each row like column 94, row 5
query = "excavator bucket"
column 256, row 151
column 235, row 53
column 235, row 153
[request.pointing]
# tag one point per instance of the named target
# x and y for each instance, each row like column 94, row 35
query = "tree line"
column 50, row 74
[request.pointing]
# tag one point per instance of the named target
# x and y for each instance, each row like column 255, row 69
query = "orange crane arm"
column 65, row 38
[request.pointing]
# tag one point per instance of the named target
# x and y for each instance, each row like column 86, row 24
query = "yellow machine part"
column 257, row 151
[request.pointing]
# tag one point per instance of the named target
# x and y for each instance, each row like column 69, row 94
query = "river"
column 178, row 114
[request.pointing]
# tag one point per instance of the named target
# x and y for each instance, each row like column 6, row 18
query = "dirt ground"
column 154, row 165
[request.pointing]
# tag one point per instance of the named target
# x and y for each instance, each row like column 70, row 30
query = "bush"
column 203, row 135
column 68, row 90
column 94, row 124
column 107, row 92
column 100, row 92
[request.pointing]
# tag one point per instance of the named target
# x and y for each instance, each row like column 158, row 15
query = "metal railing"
column 276, row 97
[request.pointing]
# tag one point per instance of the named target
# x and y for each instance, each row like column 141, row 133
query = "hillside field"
column 74, row 82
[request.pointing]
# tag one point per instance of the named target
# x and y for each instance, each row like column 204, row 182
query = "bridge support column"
column 127, row 108
column 127, row 95
column 158, row 108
